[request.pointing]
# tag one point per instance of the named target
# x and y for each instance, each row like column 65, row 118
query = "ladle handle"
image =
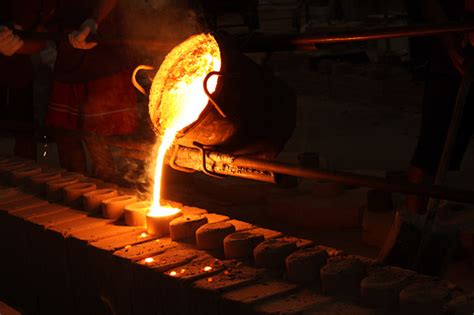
column 134, row 77
column 206, row 90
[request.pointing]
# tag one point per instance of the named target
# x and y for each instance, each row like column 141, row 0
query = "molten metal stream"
column 177, row 99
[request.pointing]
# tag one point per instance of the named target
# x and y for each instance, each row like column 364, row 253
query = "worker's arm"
column 433, row 12
column 78, row 39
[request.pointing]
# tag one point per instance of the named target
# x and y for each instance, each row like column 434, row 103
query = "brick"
column 193, row 211
column 240, row 245
column 185, row 227
column 216, row 218
column 426, row 294
column 267, row 233
column 84, row 223
column 211, row 235
column 235, row 276
column 47, row 209
column 382, row 286
column 304, row 265
column 461, row 305
column 72, row 194
column 272, row 253
column 169, row 260
column 341, row 277
column 54, row 188
column 342, row 308
column 300, row 302
column 135, row 213
column 23, row 204
column 115, row 243
column 257, row 292
column 241, row 226
column 113, row 208
column 147, row 249
column 98, row 232
column 13, row 197
column 203, row 266
column 58, row 217
column 300, row 242
column 93, row 200
column 20, row 176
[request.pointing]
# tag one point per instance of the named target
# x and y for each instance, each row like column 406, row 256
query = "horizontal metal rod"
column 434, row 191
column 259, row 169
column 265, row 42
column 279, row 42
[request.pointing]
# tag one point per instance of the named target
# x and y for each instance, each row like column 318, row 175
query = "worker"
column 16, row 76
column 92, row 96
column 446, row 62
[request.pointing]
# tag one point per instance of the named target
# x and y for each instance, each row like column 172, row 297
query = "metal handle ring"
column 209, row 96
column 134, row 77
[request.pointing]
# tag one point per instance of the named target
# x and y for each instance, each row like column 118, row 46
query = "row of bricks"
column 196, row 276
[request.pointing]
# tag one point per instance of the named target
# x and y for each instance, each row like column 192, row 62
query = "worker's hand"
column 9, row 43
column 78, row 38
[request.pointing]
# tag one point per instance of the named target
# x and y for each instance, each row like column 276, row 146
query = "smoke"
column 166, row 22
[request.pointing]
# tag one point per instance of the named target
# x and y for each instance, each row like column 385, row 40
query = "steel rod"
column 434, row 191
column 279, row 42
column 262, row 42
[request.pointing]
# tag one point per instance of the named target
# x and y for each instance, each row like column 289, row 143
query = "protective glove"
column 78, row 38
column 9, row 43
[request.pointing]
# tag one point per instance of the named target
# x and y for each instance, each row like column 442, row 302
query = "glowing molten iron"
column 177, row 98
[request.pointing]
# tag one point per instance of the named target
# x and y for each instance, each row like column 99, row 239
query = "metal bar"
column 262, row 42
column 266, row 42
column 265, row 170
column 433, row 191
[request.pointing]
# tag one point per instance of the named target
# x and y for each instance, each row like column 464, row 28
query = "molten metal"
column 177, row 98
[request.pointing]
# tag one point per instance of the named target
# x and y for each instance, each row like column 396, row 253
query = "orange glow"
column 143, row 235
column 207, row 268
column 177, row 99
column 149, row 260
column 173, row 273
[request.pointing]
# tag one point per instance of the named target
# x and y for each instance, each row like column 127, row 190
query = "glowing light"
column 183, row 270
column 210, row 279
column 173, row 273
column 207, row 268
column 226, row 272
column 143, row 235
column 149, row 260
column 177, row 98
column 128, row 246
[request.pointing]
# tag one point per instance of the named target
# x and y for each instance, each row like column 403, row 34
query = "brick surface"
column 112, row 244
column 341, row 276
column 304, row 265
column 382, row 286
column 272, row 253
column 47, row 209
column 257, row 292
column 300, row 302
column 147, row 249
